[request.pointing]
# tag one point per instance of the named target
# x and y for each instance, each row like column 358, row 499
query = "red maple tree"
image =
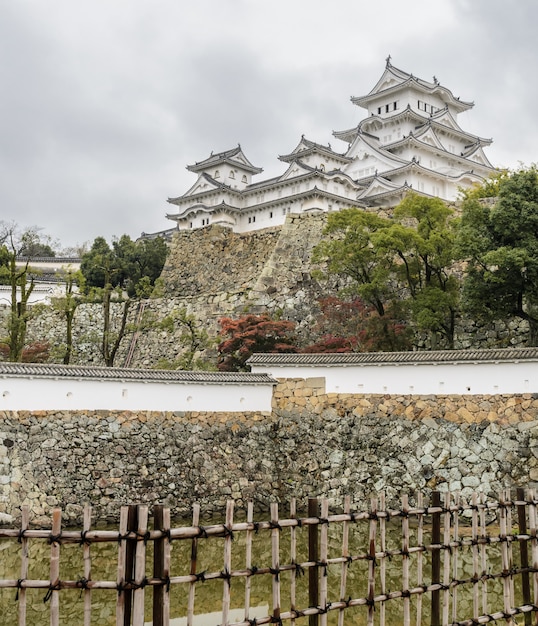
column 249, row 334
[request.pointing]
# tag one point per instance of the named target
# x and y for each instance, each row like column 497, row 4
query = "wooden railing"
column 415, row 564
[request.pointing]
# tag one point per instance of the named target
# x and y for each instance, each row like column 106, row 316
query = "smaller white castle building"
column 410, row 140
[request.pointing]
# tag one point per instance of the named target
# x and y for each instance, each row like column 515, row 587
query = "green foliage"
column 35, row 245
column 500, row 243
column 401, row 264
column 250, row 334
column 193, row 338
column 133, row 266
column 119, row 274
column 350, row 252
column 21, row 283
column 488, row 189
column 66, row 306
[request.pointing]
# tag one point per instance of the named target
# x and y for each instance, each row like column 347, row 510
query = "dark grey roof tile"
column 45, row 370
column 380, row 358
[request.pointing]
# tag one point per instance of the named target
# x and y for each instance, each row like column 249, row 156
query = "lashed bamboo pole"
column 405, row 560
column 383, row 568
column 345, row 554
column 533, row 532
column 475, row 556
column 510, row 546
column 313, row 557
column 226, row 595
column 436, row 559
column 505, row 558
column 140, row 567
column 122, row 556
column 25, row 520
column 446, row 560
column 420, row 558
column 293, row 558
column 86, row 555
column 455, row 564
column 161, row 568
column 193, row 566
column 324, row 555
column 55, row 567
column 523, row 551
column 483, row 555
column 275, row 561
column 372, row 561
column 248, row 559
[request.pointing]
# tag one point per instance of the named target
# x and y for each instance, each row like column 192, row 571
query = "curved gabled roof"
column 217, row 185
column 415, row 166
column 414, row 140
column 379, row 190
column 373, row 145
column 394, row 80
column 203, row 208
column 306, row 147
column 476, row 148
column 235, row 156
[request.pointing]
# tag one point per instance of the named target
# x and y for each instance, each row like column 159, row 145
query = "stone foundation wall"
column 312, row 444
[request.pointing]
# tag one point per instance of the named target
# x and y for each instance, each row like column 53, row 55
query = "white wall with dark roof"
column 481, row 372
column 44, row 388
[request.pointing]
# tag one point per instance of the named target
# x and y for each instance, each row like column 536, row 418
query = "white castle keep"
column 410, row 141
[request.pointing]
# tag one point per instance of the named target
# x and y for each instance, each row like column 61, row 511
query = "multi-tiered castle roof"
column 410, row 141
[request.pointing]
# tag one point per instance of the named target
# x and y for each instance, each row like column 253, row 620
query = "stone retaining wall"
column 312, row 444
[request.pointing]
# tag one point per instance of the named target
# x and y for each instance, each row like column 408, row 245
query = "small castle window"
column 217, row 174
column 232, row 174
column 244, row 179
column 271, row 215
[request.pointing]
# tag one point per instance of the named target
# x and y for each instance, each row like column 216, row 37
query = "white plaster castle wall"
column 43, row 394
column 419, row 379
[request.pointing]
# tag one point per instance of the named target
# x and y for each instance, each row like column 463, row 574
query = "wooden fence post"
column 523, row 550
column 313, row 555
column 436, row 560
column 161, row 567
column 132, row 525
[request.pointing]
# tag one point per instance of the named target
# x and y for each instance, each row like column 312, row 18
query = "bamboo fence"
column 355, row 549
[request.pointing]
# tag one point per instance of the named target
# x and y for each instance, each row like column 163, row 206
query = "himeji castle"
column 410, row 140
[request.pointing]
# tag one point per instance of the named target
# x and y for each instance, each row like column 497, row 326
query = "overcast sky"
column 105, row 102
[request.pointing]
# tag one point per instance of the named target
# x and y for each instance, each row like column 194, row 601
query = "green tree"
column 34, row 244
column 349, row 252
column 118, row 275
column 423, row 238
column 500, row 244
column 399, row 265
column 193, row 338
column 66, row 306
column 21, row 282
